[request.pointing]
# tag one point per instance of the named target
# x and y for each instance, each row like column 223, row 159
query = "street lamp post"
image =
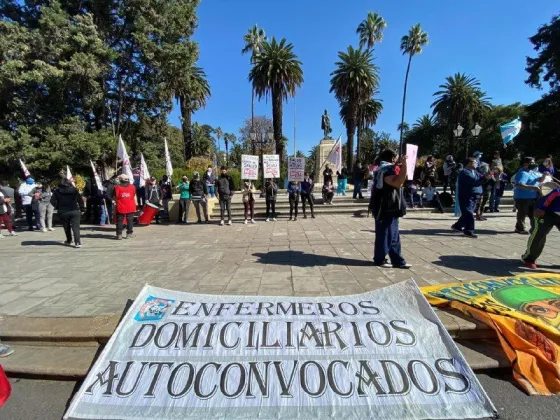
column 475, row 132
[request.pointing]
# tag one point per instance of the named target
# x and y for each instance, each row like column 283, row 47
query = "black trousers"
column 270, row 205
column 225, row 205
column 29, row 215
column 525, row 207
column 71, row 223
column 294, row 204
column 120, row 223
column 306, row 198
column 537, row 240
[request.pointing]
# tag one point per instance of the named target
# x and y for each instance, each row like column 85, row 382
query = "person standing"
column 67, row 201
column 23, row 191
column 547, row 166
column 271, row 191
column 184, row 200
column 487, row 188
column 199, row 193
column 5, row 215
column 46, row 209
column 140, row 191
column 449, row 167
column 499, row 188
column 358, row 176
column 294, row 191
column 327, row 174
column 124, row 195
column 35, row 195
column 342, row 177
column 430, row 170
column 547, row 216
column 307, row 194
column 388, row 205
column 525, row 193
column 153, row 195
column 210, row 179
column 248, row 193
column 469, row 189
column 166, row 187
column 10, row 194
column 225, row 187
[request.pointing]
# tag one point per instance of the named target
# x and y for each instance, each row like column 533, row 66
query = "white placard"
column 412, row 155
column 249, row 167
column 271, row 165
column 296, row 168
column 383, row 354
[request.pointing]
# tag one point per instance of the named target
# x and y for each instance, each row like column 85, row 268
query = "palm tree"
column 426, row 121
column 254, row 40
column 219, row 134
column 370, row 30
column 353, row 82
column 229, row 137
column 460, row 101
column 403, row 127
column 192, row 92
column 411, row 44
column 277, row 72
column 368, row 113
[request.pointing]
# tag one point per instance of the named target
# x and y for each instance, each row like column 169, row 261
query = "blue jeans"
column 387, row 241
column 211, row 190
column 104, row 215
column 357, row 188
column 467, row 206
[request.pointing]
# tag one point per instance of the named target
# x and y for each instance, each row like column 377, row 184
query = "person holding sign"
column 271, row 191
column 248, row 192
column 307, row 194
column 225, row 187
column 294, row 190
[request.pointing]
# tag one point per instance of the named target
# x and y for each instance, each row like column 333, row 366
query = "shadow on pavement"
column 99, row 236
column 42, row 243
column 303, row 259
column 485, row 266
column 449, row 232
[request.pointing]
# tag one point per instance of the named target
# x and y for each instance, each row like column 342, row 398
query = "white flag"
column 168, row 166
column 336, row 154
column 69, row 176
column 121, row 154
column 24, row 169
column 144, row 173
column 97, row 177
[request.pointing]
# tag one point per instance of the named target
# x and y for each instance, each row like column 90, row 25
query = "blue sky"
column 486, row 39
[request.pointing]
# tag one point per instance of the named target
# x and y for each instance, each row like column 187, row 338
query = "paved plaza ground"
column 330, row 255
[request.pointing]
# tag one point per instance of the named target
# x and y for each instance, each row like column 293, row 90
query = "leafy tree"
column 277, row 72
column 411, row 44
column 311, row 160
column 353, row 82
column 545, row 68
column 368, row 113
column 428, row 135
column 254, row 40
column 403, row 128
column 261, row 125
column 370, row 30
column 202, row 141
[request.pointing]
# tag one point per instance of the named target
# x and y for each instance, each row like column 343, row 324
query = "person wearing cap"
column 478, row 156
column 534, row 301
column 67, row 200
column 547, row 216
column 184, row 200
column 24, row 189
column 198, row 189
column 449, row 167
column 225, row 187
column 124, row 195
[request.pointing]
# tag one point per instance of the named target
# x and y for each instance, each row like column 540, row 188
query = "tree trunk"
column 186, row 128
column 227, row 151
column 350, row 130
column 277, row 123
column 358, row 138
column 403, row 104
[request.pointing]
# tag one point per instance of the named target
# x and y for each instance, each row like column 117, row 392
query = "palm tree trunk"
column 253, row 118
column 227, row 151
column 186, row 128
column 277, row 124
column 350, row 130
column 404, row 103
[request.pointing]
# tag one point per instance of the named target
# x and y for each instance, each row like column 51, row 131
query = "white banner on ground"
column 271, row 165
column 383, row 354
column 412, row 156
column 249, row 167
column 296, row 168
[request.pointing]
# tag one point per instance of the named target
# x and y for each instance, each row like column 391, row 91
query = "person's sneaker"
column 5, row 350
column 245, row 222
column 129, row 235
column 470, row 234
column 384, row 264
column 253, row 221
column 221, row 222
column 78, row 245
column 44, row 230
column 67, row 243
column 13, row 233
column 199, row 222
column 229, row 222
column 119, row 237
column 456, row 228
column 267, row 220
column 529, row 264
column 290, row 219
column 313, row 216
column 274, row 219
column 102, row 224
column 496, row 210
column 295, row 219
column 404, row 266
column 521, row 232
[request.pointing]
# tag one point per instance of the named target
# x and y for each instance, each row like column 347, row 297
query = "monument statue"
column 326, row 124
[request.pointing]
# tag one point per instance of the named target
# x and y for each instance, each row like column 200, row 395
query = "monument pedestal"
column 325, row 148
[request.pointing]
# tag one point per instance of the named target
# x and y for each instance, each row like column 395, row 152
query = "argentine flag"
column 510, row 130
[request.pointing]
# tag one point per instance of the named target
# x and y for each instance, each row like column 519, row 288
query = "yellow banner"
column 508, row 305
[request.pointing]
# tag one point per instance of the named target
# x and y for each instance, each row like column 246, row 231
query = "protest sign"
column 381, row 354
column 296, row 168
column 516, row 308
column 249, row 167
column 412, row 155
column 271, row 165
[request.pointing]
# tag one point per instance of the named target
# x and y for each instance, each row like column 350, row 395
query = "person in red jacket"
column 123, row 195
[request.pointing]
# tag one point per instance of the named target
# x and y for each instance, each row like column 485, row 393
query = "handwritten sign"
column 296, row 168
column 249, row 167
column 271, row 165
column 412, row 153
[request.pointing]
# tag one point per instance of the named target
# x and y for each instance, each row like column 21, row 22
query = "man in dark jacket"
column 358, row 176
column 327, row 174
column 307, row 194
column 199, row 191
column 67, row 201
column 225, row 189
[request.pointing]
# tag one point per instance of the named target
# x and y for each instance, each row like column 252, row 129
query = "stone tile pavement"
column 330, row 255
